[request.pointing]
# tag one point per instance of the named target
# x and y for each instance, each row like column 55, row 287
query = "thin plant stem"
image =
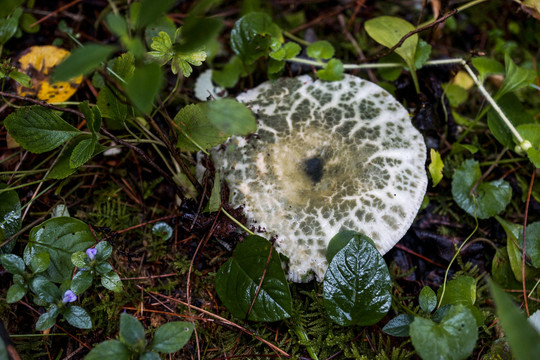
column 301, row 333
column 233, row 219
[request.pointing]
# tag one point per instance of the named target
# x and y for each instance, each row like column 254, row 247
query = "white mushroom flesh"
column 326, row 156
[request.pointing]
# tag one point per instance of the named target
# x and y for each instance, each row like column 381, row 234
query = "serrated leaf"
column 112, row 105
column 320, row 50
column 453, row 338
column 82, row 61
column 490, row 197
column 109, row 349
column 238, row 279
column 82, row 153
column 10, row 216
column 195, row 127
column 399, row 326
column 15, row 293
column 12, row 263
column 131, row 332
column 38, row 129
column 230, row 116
column 78, row 317
column 60, row 237
column 436, row 167
column 144, row 85
column 333, row 71
column 523, row 338
column 252, row 36
column 162, row 50
column 81, row 281
column 111, row 281
column 427, row 299
column 514, row 111
column 357, row 285
column 171, row 337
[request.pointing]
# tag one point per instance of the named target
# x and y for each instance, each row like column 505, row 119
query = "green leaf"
column 60, row 237
column 82, row 153
column 104, row 268
column 487, row 66
column 117, row 24
column 111, row 281
column 8, row 27
column 151, row 10
column 455, row 94
column 82, row 61
column 390, row 73
column 40, row 262
column 45, row 290
column 238, row 279
column 523, row 338
column 195, row 128
column 214, row 203
column 21, row 78
column 388, row 30
column 92, row 116
column 144, row 85
column 162, row 48
column 320, row 50
column 333, row 71
column 112, row 105
column 15, row 293
column 357, row 285
column 104, row 250
column 501, row 270
column 514, row 111
column 10, row 216
column 131, row 332
column 193, row 38
column 230, row 116
column 149, row 355
column 532, row 245
column 516, row 77
column 339, row 241
column 490, row 197
column 38, row 129
column 62, row 168
column 399, row 326
column 163, row 23
column 12, row 263
column 47, row 320
column 162, row 230
column 453, row 338
column 436, row 167
column 252, row 36
column 531, row 133
column 172, row 336
column 109, row 349
column 423, row 50
column 228, row 76
column 81, row 281
column 427, row 299
column 78, row 317
column 79, row 259
column 461, row 290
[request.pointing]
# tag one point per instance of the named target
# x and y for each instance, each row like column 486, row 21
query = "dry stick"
column 62, row 8
column 523, row 243
column 413, row 32
column 225, row 321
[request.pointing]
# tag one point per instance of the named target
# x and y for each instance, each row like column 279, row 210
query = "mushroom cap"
column 327, row 156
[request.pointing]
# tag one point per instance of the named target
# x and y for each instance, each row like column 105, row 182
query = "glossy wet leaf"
column 357, row 285
column 38, row 129
column 47, row 320
column 515, row 112
column 144, row 85
column 461, row 290
column 453, row 338
column 320, row 50
column 399, row 326
column 427, row 299
column 12, row 263
column 15, row 293
column 338, row 242
column 490, row 198
column 332, row 72
column 109, row 349
column 104, row 250
column 230, row 116
column 78, row 317
column 82, row 61
column 10, row 216
column 162, row 230
column 131, row 331
column 45, row 290
column 194, row 127
column 532, row 245
column 238, row 279
column 111, row 281
column 523, row 338
column 531, row 132
column 436, row 167
column 253, row 34
column 81, row 281
column 8, row 26
column 172, row 336
column 60, row 237
column 388, row 30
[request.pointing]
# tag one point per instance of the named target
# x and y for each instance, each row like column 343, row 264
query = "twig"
column 62, row 8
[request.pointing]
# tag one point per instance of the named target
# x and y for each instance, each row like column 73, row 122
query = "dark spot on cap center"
column 313, row 167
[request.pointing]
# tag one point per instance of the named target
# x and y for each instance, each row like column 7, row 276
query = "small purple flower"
column 91, row 253
column 69, row 296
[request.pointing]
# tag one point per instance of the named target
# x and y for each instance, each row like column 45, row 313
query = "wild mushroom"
column 326, row 156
